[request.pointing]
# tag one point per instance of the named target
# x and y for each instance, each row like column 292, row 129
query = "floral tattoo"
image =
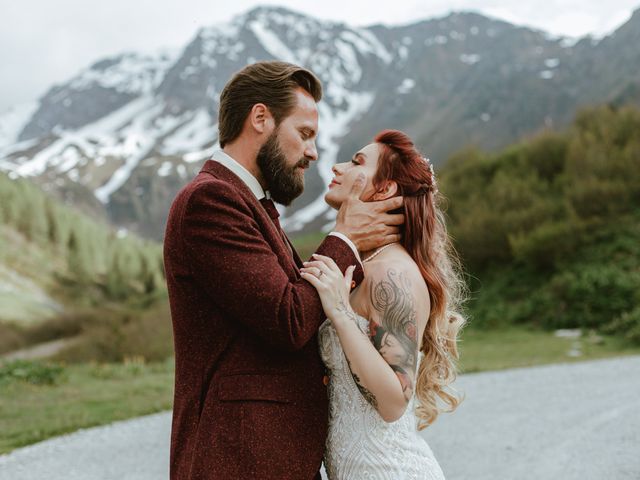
column 395, row 337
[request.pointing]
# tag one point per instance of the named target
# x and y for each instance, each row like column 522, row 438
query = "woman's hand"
column 332, row 286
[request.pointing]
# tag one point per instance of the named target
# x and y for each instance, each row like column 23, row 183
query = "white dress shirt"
column 252, row 182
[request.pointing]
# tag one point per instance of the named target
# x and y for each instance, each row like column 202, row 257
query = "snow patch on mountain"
column 406, row 86
column 271, row 42
column 219, row 40
column 200, row 155
column 50, row 156
column 16, row 148
column 551, row 62
column 141, row 136
column 469, row 58
column 129, row 73
column 117, row 120
column 141, row 145
column 165, row 169
column 97, row 140
column 367, row 43
column 194, row 134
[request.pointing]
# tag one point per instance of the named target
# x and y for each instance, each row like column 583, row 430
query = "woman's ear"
column 388, row 190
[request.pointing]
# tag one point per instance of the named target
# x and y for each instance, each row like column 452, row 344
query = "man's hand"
column 367, row 224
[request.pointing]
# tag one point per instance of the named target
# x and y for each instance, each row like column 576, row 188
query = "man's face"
column 288, row 151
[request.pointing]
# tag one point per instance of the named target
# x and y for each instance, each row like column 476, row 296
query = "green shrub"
column 37, row 373
column 11, row 338
column 551, row 227
column 627, row 325
column 547, row 154
column 115, row 334
column 592, row 295
column 66, row 324
column 547, row 244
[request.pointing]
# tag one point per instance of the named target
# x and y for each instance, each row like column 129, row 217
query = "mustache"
column 302, row 163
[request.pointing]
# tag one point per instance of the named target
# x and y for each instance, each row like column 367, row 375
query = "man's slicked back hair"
column 272, row 83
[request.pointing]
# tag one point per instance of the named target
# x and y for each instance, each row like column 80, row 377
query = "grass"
column 307, row 244
column 82, row 396
column 87, row 395
column 513, row 347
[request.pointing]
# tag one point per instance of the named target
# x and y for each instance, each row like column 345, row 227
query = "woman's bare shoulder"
column 395, row 274
column 397, row 264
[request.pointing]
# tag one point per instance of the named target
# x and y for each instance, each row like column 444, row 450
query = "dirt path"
column 41, row 350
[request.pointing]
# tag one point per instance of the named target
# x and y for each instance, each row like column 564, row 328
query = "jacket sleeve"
column 232, row 263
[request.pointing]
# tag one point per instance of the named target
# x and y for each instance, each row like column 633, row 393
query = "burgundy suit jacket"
column 250, row 402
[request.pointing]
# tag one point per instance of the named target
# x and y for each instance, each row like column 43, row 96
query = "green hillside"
column 65, row 275
column 549, row 230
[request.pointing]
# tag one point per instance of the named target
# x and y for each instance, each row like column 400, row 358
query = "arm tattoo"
column 395, row 336
column 368, row 396
column 351, row 315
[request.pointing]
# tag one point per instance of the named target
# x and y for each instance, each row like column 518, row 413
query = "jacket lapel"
column 275, row 240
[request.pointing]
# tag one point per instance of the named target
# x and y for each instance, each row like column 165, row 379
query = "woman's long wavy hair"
column 425, row 238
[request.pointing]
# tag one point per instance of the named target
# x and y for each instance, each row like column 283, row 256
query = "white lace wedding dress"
column 360, row 444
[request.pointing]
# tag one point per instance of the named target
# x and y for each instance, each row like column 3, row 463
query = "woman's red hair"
column 425, row 238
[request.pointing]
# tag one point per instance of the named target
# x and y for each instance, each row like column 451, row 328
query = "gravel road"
column 570, row 422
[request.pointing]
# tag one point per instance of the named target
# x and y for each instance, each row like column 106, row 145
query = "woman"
column 390, row 346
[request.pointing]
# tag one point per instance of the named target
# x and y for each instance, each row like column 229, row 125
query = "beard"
column 285, row 183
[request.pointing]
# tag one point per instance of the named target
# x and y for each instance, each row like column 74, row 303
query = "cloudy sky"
column 43, row 42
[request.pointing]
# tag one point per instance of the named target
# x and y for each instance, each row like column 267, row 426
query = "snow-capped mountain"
column 121, row 137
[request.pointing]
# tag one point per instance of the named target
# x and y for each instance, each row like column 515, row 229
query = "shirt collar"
column 252, row 182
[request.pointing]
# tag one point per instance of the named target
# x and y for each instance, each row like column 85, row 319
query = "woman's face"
column 391, row 350
column 365, row 162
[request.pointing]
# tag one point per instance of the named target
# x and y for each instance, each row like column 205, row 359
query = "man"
column 250, row 402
